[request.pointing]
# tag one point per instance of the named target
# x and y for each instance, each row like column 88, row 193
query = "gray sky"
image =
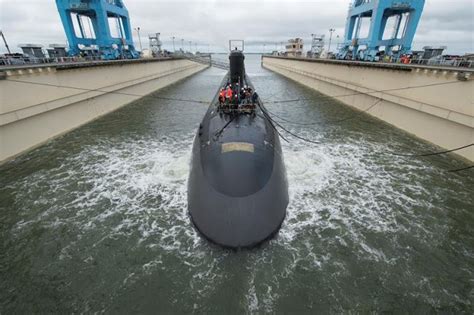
column 444, row 22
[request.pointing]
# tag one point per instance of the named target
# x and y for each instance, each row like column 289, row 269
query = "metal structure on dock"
column 32, row 50
column 155, row 44
column 57, row 51
column 376, row 17
column 97, row 27
column 317, row 45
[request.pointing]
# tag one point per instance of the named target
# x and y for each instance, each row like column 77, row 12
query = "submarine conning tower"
column 237, row 67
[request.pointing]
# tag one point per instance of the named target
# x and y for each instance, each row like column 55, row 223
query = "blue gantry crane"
column 97, row 27
column 374, row 26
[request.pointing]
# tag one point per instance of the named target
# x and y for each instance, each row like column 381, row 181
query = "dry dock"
column 40, row 102
column 433, row 103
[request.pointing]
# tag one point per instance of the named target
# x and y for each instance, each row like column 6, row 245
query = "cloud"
column 259, row 22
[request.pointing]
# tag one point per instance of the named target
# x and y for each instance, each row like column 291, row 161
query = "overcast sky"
column 444, row 22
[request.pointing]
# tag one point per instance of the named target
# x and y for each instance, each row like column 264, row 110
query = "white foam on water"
column 356, row 186
column 143, row 184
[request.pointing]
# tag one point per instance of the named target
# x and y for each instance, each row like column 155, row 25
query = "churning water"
column 96, row 221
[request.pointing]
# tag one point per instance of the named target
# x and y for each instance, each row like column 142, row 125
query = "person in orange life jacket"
column 228, row 94
column 221, row 96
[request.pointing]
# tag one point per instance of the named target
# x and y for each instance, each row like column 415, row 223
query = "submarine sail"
column 237, row 188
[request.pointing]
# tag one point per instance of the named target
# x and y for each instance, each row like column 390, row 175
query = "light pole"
column 195, row 47
column 264, row 48
column 182, row 44
column 331, row 30
column 173, row 38
column 139, row 38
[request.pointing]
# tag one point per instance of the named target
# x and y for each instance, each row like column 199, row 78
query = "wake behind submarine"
column 237, row 188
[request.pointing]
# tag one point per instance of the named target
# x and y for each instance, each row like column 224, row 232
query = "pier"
column 40, row 102
column 433, row 103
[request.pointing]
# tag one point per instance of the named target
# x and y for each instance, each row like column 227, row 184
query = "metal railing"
column 26, row 62
column 456, row 63
column 453, row 63
column 23, row 61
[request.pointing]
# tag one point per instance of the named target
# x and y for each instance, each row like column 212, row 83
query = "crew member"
column 237, row 94
column 228, row 94
column 236, row 99
column 242, row 94
column 221, row 96
column 248, row 94
column 254, row 97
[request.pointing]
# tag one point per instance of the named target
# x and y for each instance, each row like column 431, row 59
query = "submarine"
column 237, row 187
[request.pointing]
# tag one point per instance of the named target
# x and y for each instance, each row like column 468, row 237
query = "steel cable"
column 360, row 93
column 267, row 113
column 112, row 92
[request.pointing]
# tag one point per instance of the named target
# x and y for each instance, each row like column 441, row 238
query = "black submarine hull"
column 237, row 188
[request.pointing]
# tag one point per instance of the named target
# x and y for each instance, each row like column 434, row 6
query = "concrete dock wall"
column 436, row 105
column 39, row 103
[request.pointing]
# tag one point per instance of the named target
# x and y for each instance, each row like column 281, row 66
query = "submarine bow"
column 237, row 188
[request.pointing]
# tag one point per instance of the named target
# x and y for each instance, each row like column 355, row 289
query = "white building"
column 294, row 47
